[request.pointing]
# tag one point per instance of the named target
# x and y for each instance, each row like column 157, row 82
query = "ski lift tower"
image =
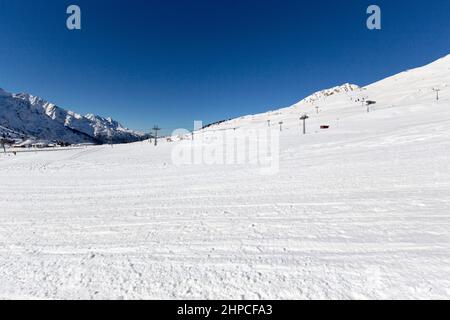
column 2, row 145
column 4, row 142
column 437, row 93
column 156, row 129
column 304, row 118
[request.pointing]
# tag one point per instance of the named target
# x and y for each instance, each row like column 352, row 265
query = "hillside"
column 410, row 92
column 32, row 117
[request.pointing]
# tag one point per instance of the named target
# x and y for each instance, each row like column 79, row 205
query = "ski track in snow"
column 71, row 230
column 360, row 211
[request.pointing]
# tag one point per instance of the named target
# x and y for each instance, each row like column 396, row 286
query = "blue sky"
column 172, row 62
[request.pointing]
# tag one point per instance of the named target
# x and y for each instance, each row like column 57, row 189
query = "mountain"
column 409, row 92
column 346, row 88
column 29, row 116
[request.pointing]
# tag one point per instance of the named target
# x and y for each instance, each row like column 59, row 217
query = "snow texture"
column 361, row 210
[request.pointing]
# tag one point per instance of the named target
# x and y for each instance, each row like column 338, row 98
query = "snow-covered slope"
column 358, row 211
column 34, row 117
column 411, row 90
column 347, row 89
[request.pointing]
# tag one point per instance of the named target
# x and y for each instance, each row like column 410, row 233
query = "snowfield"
column 358, row 211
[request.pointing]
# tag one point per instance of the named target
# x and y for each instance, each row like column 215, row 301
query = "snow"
column 359, row 211
column 34, row 117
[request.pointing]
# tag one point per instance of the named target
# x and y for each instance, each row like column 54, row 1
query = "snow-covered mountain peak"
column 346, row 88
column 90, row 116
column 39, row 118
column 31, row 98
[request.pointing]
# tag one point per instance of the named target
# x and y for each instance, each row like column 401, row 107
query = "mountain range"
column 24, row 116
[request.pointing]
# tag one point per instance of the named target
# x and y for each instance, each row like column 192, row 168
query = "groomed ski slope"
column 361, row 210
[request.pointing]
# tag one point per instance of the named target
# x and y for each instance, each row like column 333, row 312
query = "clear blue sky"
column 174, row 61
